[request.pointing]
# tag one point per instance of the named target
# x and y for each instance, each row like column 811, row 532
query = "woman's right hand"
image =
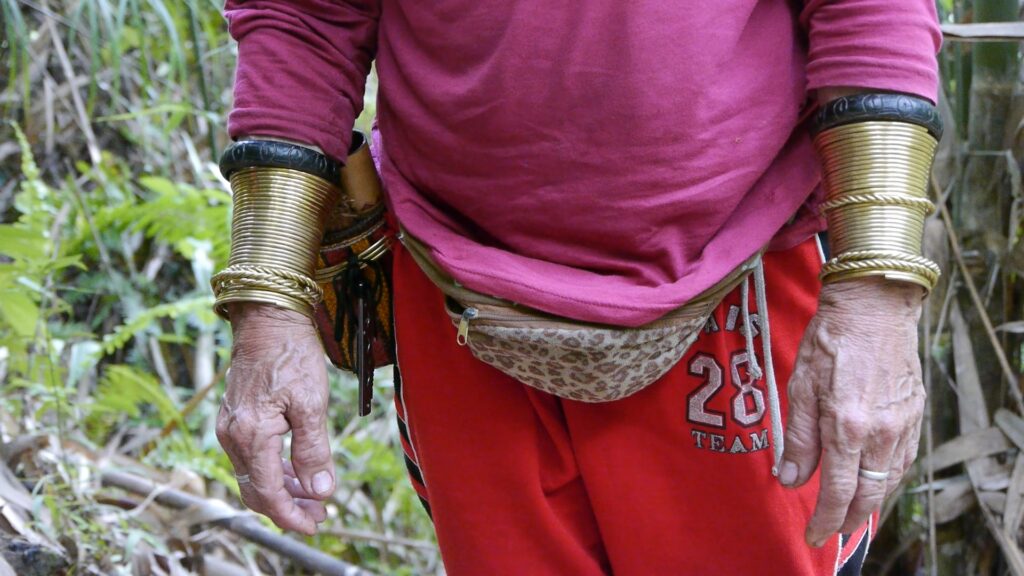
column 278, row 383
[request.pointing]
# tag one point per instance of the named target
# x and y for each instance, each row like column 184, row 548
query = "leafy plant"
column 114, row 218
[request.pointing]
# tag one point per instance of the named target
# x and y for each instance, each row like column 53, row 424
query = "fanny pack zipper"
column 463, row 334
column 471, row 313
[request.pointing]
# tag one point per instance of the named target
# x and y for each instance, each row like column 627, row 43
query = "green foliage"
column 123, row 334
column 127, row 391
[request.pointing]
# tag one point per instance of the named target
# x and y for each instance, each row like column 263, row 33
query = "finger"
column 294, row 487
column 266, row 486
column 877, row 456
column 838, row 486
column 867, row 499
column 914, row 439
column 315, row 508
column 906, row 453
column 303, row 499
column 803, row 438
column 311, row 452
column 898, row 465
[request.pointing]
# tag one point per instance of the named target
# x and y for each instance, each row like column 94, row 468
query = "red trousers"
column 675, row 479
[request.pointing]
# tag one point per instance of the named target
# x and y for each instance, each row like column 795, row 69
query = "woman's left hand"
column 855, row 401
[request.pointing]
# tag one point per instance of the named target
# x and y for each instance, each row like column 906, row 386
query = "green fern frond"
column 200, row 305
column 127, row 390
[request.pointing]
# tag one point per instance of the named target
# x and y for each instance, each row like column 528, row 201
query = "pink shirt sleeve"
column 302, row 67
column 879, row 44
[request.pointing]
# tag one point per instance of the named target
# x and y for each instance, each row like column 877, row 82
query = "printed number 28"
column 747, row 401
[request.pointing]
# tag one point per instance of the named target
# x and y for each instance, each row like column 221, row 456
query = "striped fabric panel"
column 411, row 460
column 853, row 549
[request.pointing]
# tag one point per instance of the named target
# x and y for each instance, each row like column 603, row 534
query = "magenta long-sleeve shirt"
column 604, row 160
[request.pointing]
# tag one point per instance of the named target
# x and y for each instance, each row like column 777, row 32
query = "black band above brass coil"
column 275, row 154
column 878, row 107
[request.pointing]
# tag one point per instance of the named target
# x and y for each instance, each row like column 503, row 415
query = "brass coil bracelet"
column 876, row 152
column 277, row 225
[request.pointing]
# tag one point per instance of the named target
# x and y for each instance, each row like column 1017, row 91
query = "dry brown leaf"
column 1011, row 425
column 1014, row 498
column 996, row 501
column 953, row 501
column 13, row 492
column 971, row 405
column 189, row 481
column 973, row 412
column 996, row 483
column 16, row 508
column 16, row 522
column 1012, row 553
column 1012, row 327
column 967, row 447
column 217, row 567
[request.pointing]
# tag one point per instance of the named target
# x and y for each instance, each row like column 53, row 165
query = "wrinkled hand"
column 278, row 382
column 855, row 400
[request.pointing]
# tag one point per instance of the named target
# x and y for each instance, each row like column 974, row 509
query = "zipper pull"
column 467, row 315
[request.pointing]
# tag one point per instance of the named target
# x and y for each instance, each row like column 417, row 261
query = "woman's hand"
column 855, row 401
column 278, row 382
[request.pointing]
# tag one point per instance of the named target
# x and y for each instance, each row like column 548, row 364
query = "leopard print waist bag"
column 571, row 359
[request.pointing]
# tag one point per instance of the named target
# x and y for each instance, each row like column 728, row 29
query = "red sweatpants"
column 675, row 479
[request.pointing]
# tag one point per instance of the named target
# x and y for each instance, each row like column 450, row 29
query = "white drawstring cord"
column 774, row 409
column 754, row 368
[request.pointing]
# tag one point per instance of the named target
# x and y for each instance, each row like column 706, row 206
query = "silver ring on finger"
column 242, row 479
column 872, row 475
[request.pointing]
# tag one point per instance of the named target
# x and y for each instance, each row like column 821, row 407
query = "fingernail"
column 814, row 540
column 788, row 473
column 322, row 482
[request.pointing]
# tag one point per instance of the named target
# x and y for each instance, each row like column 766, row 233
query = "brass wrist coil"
column 875, row 176
column 276, row 229
column 880, row 200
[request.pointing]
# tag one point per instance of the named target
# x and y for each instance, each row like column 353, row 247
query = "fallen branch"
column 374, row 537
column 243, row 524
